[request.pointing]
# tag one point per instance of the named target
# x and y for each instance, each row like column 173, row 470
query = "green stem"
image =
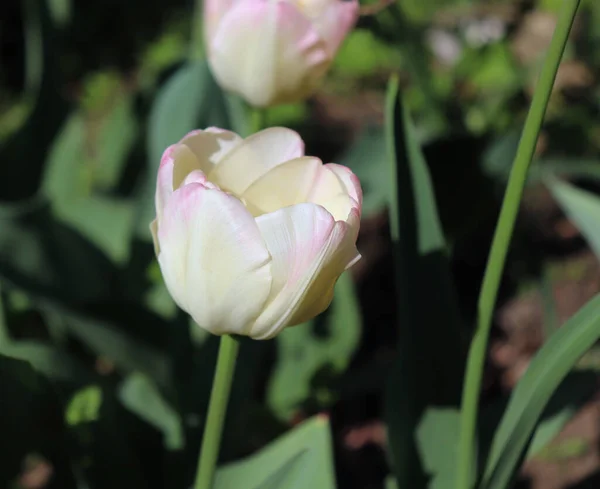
column 500, row 243
column 258, row 119
column 211, row 441
column 197, row 40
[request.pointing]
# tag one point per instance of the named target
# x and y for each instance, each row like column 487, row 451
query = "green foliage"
column 363, row 55
column 139, row 394
column 302, row 353
column 84, row 406
column 301, row 458
column 547, row 370
column 85, row 160
column 582, row 207
column 430, row 372
column 103, row 377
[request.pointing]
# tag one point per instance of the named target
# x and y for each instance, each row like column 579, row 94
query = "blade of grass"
column 501, row 241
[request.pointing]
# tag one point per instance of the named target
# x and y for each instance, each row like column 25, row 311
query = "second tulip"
column 274, row 51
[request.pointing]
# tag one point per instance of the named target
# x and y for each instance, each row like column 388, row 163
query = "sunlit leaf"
column 301, row 458
column 139, row 394
column 84, row 406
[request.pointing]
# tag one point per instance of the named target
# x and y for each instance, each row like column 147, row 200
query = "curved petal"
column 349, row 181
column 254, row 157
column 176, row 163
column 213, row 259
column 268, row 52
column 198, row 176
column 339, row 256
column 335, row 21
column 287, row 184
column 305, row 179
column 214, row 10
column 210, row 145
column 310, row 250
column 341, row 206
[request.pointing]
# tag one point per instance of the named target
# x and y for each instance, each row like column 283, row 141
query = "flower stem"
column 500, row 243
column 217, row 408
column 258, row 119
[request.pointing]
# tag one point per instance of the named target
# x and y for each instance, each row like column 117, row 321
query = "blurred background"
column 103, row 382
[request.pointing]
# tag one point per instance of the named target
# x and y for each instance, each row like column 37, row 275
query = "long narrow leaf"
column 426, row 373
column 545, row 373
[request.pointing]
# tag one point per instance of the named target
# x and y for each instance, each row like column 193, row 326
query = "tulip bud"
column 250, row 234
column 274, row 51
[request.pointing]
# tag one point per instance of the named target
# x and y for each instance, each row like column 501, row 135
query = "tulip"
column 250, row 234
column 274, row 51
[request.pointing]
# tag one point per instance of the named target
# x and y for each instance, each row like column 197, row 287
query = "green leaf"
column 116, row 136
column 44, row 358
column 437, row 436
column 498, row 157
column 106, row 222
column 189, row 100
column 60, row 10
column 546, row 371
column 301, row 458
column 437, row 424
column 139, row 394
column 43, row 256
column 64, row 178
column 569, row 398
column 582, row 207
column 104, row 339
column 301, row 354
column 560, row 452
column 425, row 374
column 84, row 406
column 71, row 174
column 390, row 482
column 362, row 54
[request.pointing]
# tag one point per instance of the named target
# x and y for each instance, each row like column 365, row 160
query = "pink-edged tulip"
column 250, row 234
column 274, row 51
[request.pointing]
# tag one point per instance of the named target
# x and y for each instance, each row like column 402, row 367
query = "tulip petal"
column 335, row 21
column 340, row 206
column 305, row 179
column 339, row 256
column 177, row 161
column 214, row 10
column 349, row 181
column 254, row 157
column 211, row 145
column 211, row 255
column 310, row 250
column 268, row 52
column 287, row 184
